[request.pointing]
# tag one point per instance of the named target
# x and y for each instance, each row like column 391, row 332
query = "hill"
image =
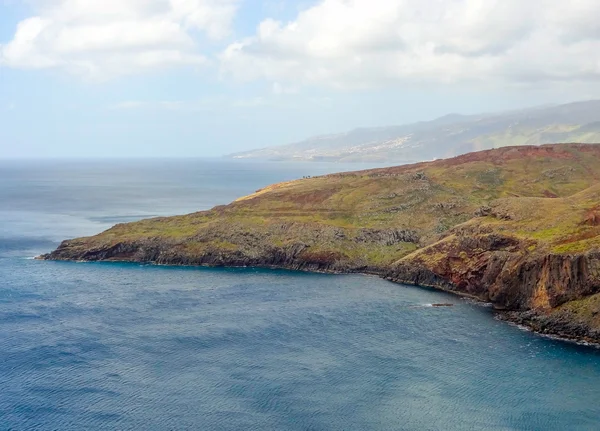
column 448, row 136
column 518, row 227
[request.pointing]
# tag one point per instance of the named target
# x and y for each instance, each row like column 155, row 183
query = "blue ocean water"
column 128, row 347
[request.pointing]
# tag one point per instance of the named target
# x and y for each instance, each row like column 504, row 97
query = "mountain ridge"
column 446, row 136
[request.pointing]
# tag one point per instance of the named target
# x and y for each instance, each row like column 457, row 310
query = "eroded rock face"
column 251, row 249
column 387, row 236
column 499, row 270
column 523, row 282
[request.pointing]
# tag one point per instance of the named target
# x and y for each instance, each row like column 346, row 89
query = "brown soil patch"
column 592, row 217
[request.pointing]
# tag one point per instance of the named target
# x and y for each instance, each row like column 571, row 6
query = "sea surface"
column 100, row 346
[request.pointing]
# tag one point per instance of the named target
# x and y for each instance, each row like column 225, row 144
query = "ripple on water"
column 221, row 349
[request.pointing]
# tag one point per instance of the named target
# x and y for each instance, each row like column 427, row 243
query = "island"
column 517, row 227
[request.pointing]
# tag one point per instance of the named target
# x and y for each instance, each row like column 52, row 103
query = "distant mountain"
column 447, row 136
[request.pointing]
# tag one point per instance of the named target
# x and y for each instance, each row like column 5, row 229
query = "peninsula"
column 518, row 227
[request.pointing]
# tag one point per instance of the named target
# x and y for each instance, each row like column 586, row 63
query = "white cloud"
column 366, row 43
column 221, row 103
column 104, row 38
column 253, row 102
column 218, row 103
column 163, row 105
column 279, row 89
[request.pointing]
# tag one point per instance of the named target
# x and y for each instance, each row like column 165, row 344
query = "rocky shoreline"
column 556, row 327
column 561, row 326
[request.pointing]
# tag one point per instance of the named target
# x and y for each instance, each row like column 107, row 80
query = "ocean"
column 111, row 346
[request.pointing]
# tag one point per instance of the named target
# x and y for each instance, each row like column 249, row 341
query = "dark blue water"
column 130, row 347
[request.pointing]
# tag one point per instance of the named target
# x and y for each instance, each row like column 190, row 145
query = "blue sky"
column 154, row 78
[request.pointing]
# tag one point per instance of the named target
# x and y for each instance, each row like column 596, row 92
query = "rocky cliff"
column 518, row 227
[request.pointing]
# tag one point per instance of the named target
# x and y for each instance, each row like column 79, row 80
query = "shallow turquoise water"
column 124, row 346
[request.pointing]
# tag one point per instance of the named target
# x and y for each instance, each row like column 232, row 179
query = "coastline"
column 515, row 227
column 521, row 319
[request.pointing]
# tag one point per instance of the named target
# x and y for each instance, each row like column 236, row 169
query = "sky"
column 203, row 78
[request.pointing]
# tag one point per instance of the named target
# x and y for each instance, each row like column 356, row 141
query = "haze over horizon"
column 203, row 78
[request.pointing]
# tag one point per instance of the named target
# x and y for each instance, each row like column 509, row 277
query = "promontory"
column 517, row 227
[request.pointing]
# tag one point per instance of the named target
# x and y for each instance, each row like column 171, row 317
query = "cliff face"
column 496, row 269
column 517, row 227
column 299, row 246
column 552, row 293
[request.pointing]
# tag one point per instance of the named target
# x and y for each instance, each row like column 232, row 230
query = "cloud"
column 253, row 102
column 161, row 105
column 222, row 103
column 218, row 103
column 370, row 43
column 105, row 38
column 279, row 89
